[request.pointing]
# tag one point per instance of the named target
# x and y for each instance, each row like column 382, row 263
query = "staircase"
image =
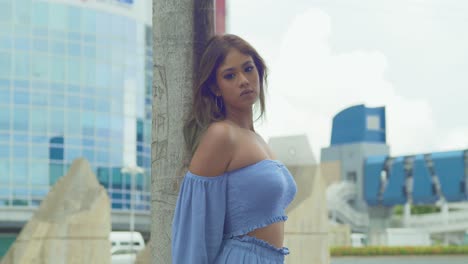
column 338, row 197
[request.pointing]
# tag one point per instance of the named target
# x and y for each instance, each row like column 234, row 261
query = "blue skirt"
column 247, row 249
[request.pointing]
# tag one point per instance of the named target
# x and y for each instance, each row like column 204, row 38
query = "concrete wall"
column 339, row 235
column 306, row 231
column 331, row 172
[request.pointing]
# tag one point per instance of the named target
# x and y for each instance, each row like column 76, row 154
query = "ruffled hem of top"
column 245, row 231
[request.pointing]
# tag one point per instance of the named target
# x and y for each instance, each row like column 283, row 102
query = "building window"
column 373, row 122
column 351, row 176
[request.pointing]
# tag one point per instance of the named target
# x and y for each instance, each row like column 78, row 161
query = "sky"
column 327, row 55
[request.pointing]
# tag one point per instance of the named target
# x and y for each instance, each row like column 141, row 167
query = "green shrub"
column 417, row 209
column 393, row 251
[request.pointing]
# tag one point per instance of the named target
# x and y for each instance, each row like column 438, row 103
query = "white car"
column 125, row 246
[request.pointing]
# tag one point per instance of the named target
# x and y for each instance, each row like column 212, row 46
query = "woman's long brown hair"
column 204, row 107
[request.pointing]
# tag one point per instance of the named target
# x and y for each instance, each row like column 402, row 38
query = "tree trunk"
column 180, row 30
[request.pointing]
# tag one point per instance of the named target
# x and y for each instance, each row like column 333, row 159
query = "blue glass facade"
column 74, row 82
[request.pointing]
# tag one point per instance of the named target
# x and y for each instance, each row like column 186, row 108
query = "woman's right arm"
column 198, row 224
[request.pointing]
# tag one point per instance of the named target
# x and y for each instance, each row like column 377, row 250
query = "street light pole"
column 132, row 170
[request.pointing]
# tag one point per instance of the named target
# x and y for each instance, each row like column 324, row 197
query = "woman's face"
column 238, row 81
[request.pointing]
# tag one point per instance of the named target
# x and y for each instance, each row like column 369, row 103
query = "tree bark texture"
column 181, row 28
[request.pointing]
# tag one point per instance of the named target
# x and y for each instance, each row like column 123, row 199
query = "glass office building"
column 75, row 81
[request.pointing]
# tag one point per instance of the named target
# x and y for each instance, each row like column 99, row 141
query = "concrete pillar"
column 306, row 231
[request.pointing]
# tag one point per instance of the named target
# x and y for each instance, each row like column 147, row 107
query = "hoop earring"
column 219, row 103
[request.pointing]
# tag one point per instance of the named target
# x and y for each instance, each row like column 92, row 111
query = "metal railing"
column 440, row 222
column 338, row 196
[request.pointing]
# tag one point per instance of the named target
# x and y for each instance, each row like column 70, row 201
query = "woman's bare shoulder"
column 214, row 151
column 221, row 133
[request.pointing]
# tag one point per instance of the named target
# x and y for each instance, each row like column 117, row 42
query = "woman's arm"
column 198, row 225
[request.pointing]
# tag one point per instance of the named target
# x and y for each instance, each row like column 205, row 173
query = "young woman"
column 231, row 205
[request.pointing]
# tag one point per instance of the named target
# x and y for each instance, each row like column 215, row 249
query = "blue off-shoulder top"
column 210, row 209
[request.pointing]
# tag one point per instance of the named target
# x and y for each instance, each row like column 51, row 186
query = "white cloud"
column 456, row 139
column 310, row 84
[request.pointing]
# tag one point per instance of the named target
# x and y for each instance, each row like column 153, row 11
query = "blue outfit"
column 214, row 214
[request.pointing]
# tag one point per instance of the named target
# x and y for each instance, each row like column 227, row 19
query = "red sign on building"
column 220, row 16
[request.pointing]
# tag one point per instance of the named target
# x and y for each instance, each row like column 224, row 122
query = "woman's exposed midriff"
column 273, row 234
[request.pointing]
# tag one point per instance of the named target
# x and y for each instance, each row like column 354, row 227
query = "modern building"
column 357, row 132
column 431, row 179
column 373, row 182
column 75, row 81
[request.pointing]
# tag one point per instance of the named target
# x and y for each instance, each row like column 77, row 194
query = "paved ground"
column 402, row 260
